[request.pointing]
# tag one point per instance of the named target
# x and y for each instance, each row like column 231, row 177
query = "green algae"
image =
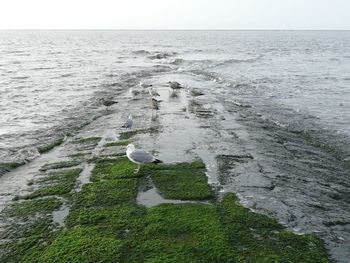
column 107, row 169
column 106, row 225
column 182, row 181
column 28, row 240
column 50, row 146
column 79, row 155
column 318, row 143
column 62, row 183
column 118, row 143
column 124, row 216
column 129, row 134
column 60, row 165
column 57, row 189
column 258, row 238
column 89, row 140
column 31, row 227
column 86, row 144
column 228, row 162
column 10, row 166
column 64, row 176
column 30, row 208
column 184, row 233
column 182, row 185
column 107, row 193
column 86, row 244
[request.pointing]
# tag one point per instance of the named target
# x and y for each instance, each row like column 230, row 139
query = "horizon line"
column 135, row 29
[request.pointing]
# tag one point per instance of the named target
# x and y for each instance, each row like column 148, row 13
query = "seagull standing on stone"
column 129, row 122
column 145, row 85
column 107, row 103
column 174, row 85
column 139, row 156
column 154, row 104
column 134, row 92
column 153, row 92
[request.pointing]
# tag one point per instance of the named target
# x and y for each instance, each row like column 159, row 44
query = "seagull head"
column 130, row 117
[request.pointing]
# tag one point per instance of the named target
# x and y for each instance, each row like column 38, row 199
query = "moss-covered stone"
column 129, row 134
column 6, row 167
column 10, row 166
column 57, row 189
column 30, row 208
column 183, row 181
column 121, row 217
column 50, row 146
column 258, row 238
column 89, row 140
column 184, row 233
column 106, row 225
column 107, row 193
column 28, row 240
column 62, row 183
column 60, row 165
column 86, row 144
column 82, row 244
column 107, row 169
column 118, row 143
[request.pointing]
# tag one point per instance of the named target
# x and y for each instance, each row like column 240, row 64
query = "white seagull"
column 129, row 122
column 174, row 85
column 134, row 92
column 153, row 92
column 139, row 156
column 144, row 85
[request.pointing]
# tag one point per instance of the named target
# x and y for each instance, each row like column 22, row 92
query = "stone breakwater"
column 82, row 202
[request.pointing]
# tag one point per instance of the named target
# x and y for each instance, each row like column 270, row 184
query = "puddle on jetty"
column 84, row 177
column 149, row 196
column 60, row 215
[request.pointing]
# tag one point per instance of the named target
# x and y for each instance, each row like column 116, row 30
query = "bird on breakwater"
column 139, row 156
column 153, row 92
column 174, row 85
column 134, row 92
column 129, row 122
column 145, row 85
column 107, row 103
column 155, row 104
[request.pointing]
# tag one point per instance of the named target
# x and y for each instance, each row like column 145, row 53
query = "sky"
column 175, row 14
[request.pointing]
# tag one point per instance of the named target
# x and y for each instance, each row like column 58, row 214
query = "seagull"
column 174, row 85
column 128, row 123
column 139, row 156
column 154, row 104
column 107, row 103
column 144, row 85
column 153, row 92
column 134, row 92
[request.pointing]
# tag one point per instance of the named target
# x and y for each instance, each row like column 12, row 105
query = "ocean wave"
column 42, row 68
column 208, row 63
column 161, row 55
column 234, row 61
column 66, row 75
column 20, row 77
column 141, row 52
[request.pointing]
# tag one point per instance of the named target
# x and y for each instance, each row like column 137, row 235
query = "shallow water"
column 272, row 124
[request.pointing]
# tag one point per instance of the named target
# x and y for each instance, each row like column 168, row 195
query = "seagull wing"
column 141, row 156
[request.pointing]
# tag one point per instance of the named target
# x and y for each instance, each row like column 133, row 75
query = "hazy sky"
column 174, row 14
